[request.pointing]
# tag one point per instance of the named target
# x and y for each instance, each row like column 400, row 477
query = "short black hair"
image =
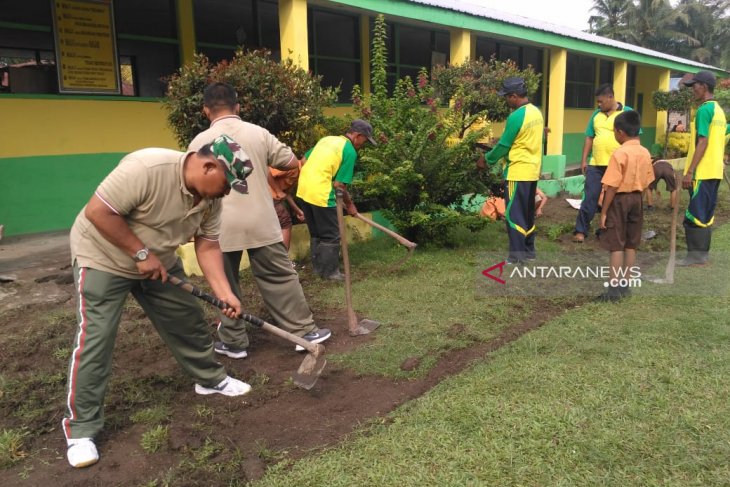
column 206, row 150
column 628, row 122
column 220, row 95
column 604, row 89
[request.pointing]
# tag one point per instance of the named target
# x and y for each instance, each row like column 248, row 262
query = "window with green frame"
column 523, row 56
column 580, row 81
column 334, row 50
column 221, row 26
column 411, row 48
column 147, row 46
column 605, row 72
column 630, row 87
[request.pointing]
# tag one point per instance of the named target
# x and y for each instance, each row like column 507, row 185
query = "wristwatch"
column 141, row 255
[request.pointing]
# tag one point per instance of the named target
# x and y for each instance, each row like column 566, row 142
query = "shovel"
column 365, row 326
column 401, row 240
column 312, row 365
column 669, row 274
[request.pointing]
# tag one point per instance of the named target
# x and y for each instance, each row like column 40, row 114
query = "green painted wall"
column 573, row 147
column 45, row 193
column 648, row 136
column 573, row 144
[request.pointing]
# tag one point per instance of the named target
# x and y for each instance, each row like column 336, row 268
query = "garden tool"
column 365, row 326
column 312, row 365
column 401, row 240
column 669, row 274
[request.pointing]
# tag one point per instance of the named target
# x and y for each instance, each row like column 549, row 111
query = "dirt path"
column 275, row 418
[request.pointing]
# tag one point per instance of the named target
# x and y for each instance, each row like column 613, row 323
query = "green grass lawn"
column 628, row 394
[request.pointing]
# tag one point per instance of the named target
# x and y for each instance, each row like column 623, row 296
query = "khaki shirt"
column 249, row 221
column 147, row 188
column 629, row 168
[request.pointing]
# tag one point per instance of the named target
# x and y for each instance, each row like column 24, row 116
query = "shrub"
column 281, row 97
column 425, row 158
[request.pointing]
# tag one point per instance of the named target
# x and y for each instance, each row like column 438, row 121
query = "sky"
column 568, row 13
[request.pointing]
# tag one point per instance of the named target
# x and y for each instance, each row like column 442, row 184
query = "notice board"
column 86, row 48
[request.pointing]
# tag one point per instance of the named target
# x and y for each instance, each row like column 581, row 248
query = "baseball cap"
column 362, row 127
column 237, row 163
column 513, row 84
column 704, row 77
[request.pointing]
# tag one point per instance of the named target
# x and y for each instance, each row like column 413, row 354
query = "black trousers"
column 321, row 222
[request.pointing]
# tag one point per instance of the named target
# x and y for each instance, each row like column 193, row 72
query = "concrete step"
column 572, row 170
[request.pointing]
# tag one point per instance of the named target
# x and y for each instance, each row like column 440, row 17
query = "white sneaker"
column 228, row 387
column 81, row 452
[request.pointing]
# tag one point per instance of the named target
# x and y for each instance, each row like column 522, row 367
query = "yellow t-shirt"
column 332, row 159
column 521, row 145
column 709, row 122
column 600, row 127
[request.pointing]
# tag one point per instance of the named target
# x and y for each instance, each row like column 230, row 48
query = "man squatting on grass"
column 628, row 174
column 249, row 222
column 521, row 148
column 123, row 241
column 599, row 144
column 704, row 168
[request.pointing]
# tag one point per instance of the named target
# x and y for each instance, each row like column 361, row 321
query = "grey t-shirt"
column 249, row 220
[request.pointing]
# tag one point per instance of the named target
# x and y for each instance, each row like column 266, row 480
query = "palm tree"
column 610, row 19
column 709, row 25
column 655, row 24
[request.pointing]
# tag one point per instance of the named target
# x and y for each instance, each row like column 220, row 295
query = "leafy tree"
column 610, row 19
column 425, row 160
column 692, row 29
column 655, row 24
column 472, row 87
column 281, row 97
column 708, row 24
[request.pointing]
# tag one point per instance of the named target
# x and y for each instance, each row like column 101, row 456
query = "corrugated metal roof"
column 492, row 14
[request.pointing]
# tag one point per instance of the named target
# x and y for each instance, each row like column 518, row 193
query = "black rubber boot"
column 314, row 253
column 612, row 295
column 329, row 261
column 698, row 246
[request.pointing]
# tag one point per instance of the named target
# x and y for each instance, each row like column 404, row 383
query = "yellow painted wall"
column 40, row 127
column 661, row 117
column 461, row 46
column 647, row 82
column 556, row 115
column 620, row 75
column 293, row 31
column 186, row 28
column 576, row 120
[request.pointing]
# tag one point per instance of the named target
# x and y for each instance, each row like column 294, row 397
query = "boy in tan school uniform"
column 628, row 174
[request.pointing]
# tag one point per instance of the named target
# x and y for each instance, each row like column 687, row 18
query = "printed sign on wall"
column 86, row 49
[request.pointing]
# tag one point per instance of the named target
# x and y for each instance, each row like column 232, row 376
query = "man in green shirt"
column 599, row 145
column 521, row 149
column 329, row 165
column 703, row 169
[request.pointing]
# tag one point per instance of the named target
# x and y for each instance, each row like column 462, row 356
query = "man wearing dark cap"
column 703, row 169
column 249, row 223
column 521, row 149
column 330, row 165
column 123, row 241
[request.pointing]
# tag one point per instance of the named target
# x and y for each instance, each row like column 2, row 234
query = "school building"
column 81, row 80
